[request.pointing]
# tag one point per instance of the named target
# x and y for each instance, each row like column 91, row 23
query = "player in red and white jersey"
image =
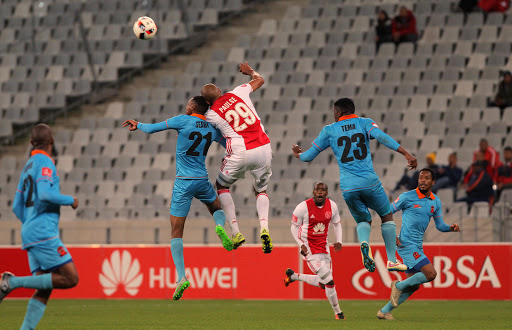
column 248, row 149
column 310, row 227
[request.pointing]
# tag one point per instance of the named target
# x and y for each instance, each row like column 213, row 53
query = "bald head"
column 210, row 92
column 41, row 137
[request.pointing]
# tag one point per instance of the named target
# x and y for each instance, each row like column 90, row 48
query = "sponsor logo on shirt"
column 319, row 229
column 46, row 171
column 416, row 206
column 312, row 216
column 294, row 218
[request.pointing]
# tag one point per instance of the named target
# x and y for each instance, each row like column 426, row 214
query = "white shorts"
column 316, row 261
column 257, row 161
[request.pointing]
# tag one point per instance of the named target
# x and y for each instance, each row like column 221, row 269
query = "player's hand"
column 337, row 246
column 245, row 69
column 397, row 241
column 75, row 203
column 412, row 162
column 296, row 151
column 132, row 124
column 304, row 250
column 455, row 227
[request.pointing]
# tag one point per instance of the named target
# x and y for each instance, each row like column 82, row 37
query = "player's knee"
column 431, row 275
column 71, row 280
column 325, row 275
column 321, row 286
column 330, row 283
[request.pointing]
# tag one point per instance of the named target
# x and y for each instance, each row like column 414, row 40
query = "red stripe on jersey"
column 318, row 228
column 242, row 119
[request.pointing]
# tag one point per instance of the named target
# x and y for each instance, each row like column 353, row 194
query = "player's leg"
column 327, row 281
column 363, row 219
column 377, row 200
column 385, row 312
column 314, row 264
column 36, row 307
column 426, row 274
column 230, row 171
column 207, row 195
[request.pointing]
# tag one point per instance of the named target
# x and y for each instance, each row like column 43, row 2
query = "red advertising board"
column 465, row 271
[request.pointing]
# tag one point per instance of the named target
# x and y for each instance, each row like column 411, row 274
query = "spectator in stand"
column 494, row 5
column 479, row 186
column 383, row 32
column 448, row 175
column 504, row 172
column 467, row 6
column 411, row 182
column 503, row 98
column 490, row 155
column 404, row 27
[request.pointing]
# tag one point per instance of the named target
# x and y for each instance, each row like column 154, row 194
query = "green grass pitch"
column 208, row 314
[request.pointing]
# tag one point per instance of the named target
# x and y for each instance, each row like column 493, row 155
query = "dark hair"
column 385, row 14
column 508, row 148
column 41, row 136
column 202, row 105
column 345, row 106
column 431, row 171
column 319, row 183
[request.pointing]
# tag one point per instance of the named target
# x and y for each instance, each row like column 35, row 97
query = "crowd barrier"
column 465, row 271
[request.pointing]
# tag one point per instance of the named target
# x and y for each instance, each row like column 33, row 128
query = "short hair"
column 41, row 136
column 345, row 106
column 320, row 182
column 431, row 171
column 508, row 148
column 201, row 104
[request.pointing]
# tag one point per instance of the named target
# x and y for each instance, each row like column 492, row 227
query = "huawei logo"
column 120, row 271
column 319, row 228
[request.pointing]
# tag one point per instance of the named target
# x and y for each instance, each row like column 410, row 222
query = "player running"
column 195, row 135
column 310, row 226
column 418, row 207
column 247, row 149
column 349, row 137
column 37, row 205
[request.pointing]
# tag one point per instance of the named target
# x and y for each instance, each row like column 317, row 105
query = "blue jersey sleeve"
column 17, row 204
column 47, row 189
column 438, row 218
column 319, row 144
column 374, row 132
column 399, row 203
column 171, row 123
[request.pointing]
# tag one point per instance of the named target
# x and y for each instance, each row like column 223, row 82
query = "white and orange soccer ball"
column 144, row 28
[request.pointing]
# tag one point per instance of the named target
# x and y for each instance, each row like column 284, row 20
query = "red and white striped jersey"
column 235, row 116
column 313, row 222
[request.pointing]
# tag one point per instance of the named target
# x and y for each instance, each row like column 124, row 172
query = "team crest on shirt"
column 416, row 255
column 328, row 215
column 62, row 251
column 432, row 209
column 46, row 171
column 319, row 229
column 375, row 125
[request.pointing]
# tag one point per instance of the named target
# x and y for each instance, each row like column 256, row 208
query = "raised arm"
column 389, row 142
column 256, row 79
column 319, row 144
column 440, row 224
column 133, row 125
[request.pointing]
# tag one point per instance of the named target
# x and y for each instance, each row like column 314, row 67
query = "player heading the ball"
column 349, row 138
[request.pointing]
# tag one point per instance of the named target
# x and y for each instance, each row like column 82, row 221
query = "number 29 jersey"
column 349, row 139
column 235, row 116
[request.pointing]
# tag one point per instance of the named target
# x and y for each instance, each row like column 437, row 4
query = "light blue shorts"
column 374, row 198
column 48, row 256
column 185, row 190
column 413, row 256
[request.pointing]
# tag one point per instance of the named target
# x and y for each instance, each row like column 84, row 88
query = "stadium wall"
column 465, row 271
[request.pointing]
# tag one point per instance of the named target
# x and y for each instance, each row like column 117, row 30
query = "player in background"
column 37, row 205
column 195, row 135
column 349, row 138
column 247, row 149
column 418, row 207
column 310, row 227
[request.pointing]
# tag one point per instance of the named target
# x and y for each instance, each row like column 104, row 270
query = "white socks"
column 332, row 296
column 313, row 280
column 262, row 206
column 229, row 209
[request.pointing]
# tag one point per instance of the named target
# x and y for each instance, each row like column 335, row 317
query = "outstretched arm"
column 307, row 156
column 147, row 128
column 389, row 142
column 257, row 80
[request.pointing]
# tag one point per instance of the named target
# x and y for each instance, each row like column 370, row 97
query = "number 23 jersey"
column 349, row 139
column 235, row 116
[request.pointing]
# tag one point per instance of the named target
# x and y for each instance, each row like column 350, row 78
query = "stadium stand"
column 431, row 96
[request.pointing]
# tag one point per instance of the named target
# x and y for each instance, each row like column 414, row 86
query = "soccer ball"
column 144, row 28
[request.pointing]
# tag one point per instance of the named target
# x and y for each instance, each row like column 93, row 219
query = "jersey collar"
column 37, row 151
column 198, row 116
column 347, row 117
column 421, row 196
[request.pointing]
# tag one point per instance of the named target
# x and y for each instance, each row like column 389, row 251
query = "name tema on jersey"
column 228, row 104
column 348, row 127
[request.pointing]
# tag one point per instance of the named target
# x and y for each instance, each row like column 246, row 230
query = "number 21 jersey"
column 235, row 116
column 349, row 139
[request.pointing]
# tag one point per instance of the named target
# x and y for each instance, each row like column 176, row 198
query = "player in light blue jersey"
column 349, row 138
column 418, row 207
column 37, row 205
column 195, row 135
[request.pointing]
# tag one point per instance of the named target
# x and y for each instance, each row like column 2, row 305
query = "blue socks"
column 177, row 256
column 416, row 279
column 219, row 217
column 403, row 297
column 363, row 231
column 389, row 236
column 42, row 282
column 35, row 311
